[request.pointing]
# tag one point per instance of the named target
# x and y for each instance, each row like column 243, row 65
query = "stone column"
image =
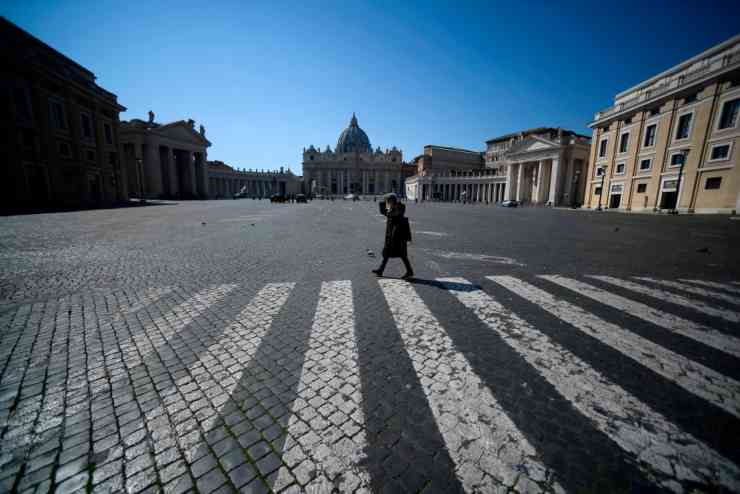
column 539, row 190
column 519, row 182
column 554, row 169
column 153, row 170
column 204, row 171
column 509, row 182
column 172, row 166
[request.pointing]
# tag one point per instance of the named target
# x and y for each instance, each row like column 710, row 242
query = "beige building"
column 167, row 161
column 544, row 165
column 61, row 129
column 225, row 181
column 537, row 166
column 353, row 166
column 671, row 142
column 446, row 173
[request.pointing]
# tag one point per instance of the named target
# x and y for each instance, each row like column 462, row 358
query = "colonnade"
column 259, row 187
column 460, row 191
column 156, row 171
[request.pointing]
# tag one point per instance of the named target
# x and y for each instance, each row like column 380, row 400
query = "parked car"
column 511, row 203
column 277, row 198
column 300, row 198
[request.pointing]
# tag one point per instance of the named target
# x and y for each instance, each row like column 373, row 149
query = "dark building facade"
column 59, row 129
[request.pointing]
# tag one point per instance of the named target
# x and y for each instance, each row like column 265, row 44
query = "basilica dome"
column 353, row 138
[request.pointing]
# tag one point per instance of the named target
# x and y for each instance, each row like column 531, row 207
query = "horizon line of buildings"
column 666, row 144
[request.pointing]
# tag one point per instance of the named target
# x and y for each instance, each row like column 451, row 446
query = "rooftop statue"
column 202, row 131
column 151, row 116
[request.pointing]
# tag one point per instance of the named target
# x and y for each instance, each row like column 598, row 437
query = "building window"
column 87, row 132
column 646, row 164
column 719, row 152
column 90, row 155
column 678, row 159
column 690, row 98
column 602, row 147
column 600, row 171
column 654, row 112
column 108, row 131
column 59, row 119
column 22, row 104
column 728, row 117
column 112, row 159
column 641, row 188
column 65, row 150
column 713, row 183
column 627, row 121
column 597, row 191
column 619, row 170
column 684, row 126
column 624, row 141
column 650, row 135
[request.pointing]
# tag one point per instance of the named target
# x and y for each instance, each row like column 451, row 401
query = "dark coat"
column 397, row 231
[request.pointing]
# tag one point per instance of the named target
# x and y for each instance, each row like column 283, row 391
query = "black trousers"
column 405, row 260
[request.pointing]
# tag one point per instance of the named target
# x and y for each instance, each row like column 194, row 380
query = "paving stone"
column 203, row 465
column 211, row 481
column 242, row 474
column 76, row 483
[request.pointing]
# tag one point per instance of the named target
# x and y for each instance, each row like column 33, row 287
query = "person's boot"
column 407, row 275
column 378, row 272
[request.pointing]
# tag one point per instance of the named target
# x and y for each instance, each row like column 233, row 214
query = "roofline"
column 17, row 27
column 686, row 63
column 535, row 130
column 448, row 148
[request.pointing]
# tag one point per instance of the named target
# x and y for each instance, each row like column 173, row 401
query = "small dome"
column 353, row 139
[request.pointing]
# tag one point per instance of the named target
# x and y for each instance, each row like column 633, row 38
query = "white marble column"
column 554, row 180
column 540, row 189
column 519, row 182
column 509, row 182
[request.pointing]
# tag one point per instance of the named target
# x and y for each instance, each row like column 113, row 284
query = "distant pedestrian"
column 397, row 234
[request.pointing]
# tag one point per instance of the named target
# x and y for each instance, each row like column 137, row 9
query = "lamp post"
column 684, row 155
column 601, row 189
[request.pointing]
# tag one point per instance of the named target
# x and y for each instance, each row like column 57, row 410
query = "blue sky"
column 267, row 79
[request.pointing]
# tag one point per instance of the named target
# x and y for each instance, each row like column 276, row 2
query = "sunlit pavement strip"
column 679, row 325
column 484, row 443
column 329, row 400
column 27, row 424
column 670, row 297
column 214, row 375
column 714, row 284
column 663, row 450
column 692, row 289
column 706, row 383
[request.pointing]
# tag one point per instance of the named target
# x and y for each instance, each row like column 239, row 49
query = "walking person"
column 397, row 234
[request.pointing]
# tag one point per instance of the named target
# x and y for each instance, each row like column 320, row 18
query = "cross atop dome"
column 353, row 122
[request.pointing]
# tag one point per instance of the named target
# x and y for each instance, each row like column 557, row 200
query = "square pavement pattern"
column 500, row 383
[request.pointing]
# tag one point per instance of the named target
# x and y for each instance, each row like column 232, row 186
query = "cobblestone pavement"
column 229, row 346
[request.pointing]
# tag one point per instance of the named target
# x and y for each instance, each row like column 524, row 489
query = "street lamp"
column 601, row 189
column 684, row 154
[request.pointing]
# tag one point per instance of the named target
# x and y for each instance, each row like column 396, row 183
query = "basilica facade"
column 353, row 167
